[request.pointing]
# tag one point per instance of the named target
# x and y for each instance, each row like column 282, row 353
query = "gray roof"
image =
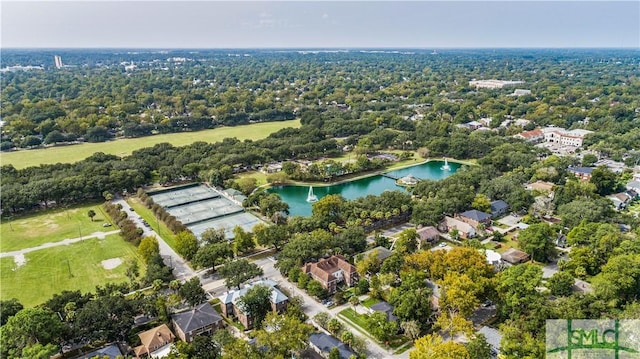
column 386, row 308
column 326, row 342
column 383, row 253
column 583, row 170
column 498, row 205
column 199, row 317
column 476, row 215
column 633, row 184
column 276, row 295
column 493, row 337
column 112, row 351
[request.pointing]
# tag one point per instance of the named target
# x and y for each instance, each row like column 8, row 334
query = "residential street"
column 181, row 269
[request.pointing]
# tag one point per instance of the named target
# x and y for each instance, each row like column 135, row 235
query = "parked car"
column 106, row 224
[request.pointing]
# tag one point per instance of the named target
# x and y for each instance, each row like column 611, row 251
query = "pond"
column 296, row 196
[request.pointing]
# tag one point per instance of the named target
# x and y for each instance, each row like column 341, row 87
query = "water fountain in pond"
column 446, row 166
column 311, row 197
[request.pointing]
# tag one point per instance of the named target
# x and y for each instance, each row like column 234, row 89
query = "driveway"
column 181, row 269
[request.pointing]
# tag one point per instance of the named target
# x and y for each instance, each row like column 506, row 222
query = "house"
column 381, row 252
column 235, row 195
column 493, row 338
column 499, row 208
column 156, row 342
column 332, row 271
column 514, row 256
column 323, row 343
column 540, row 186
column 202, row 319
column 272, row 168
column 386, row 308
column 521, row 92
column 620, row 200
column 532, row 136
column 583, row 173
column 232, row 308
column 475, row 218
column 448, row 224
column 634, row 186
column 110, row 351
column 428, row 234
column 408, row 180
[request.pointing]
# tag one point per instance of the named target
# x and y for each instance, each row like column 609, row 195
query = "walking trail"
column 21, row 252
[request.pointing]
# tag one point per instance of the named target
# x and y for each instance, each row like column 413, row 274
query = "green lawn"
column 148, row 216
column 260, row 177
column 51, row 226
column 356, row 318
column 123, row 147
column 369, row 302
column 74, row 267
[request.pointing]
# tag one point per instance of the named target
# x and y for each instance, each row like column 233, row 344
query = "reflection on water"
column 296, row 196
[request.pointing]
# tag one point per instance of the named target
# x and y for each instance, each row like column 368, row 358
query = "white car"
column 442, row 244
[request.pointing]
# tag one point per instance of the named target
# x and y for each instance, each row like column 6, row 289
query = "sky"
column 319, row 24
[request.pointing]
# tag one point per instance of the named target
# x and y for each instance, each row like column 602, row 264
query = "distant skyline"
column 319, row 24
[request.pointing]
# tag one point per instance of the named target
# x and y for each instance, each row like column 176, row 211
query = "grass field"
column 148, row 216
column 73, row 267
column 123, row 147
column 51, row 226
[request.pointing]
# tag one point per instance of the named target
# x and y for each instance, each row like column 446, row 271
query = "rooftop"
column 201, row 316
column 326, row 342
column 476, row 215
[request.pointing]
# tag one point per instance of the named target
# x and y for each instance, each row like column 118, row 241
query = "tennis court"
column 228, row 223
column 200, row 207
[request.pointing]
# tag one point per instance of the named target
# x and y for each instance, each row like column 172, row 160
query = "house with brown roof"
column 465, row 230
column 202, row 319
column 156, row 342
column 531, row 136
column 428, row 234
column 332, row 271
column 514, row 256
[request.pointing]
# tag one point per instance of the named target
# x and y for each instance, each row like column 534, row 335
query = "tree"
column 213, row 236
column 604, row 179
column 9, row 308
column 91, row 214
column 247, row 184
column 411, row 329
column 327, row 210
column 334, row 353
column 407, row 241
column 275, row 236
column 148, row 248
column 432, row 346
column 256, row 303
column 186, row 244
column 39, row 351
column 243, row 241
column 561, row 284
column 334, row 326
column 283, row 335
column 191, row 291
column 322, row 318
column 481, row 203
column 28, row 327
column 210, row 255
column 239, row 271
column 478, row 347
column 369, row 265
column 518, row 289
column 619, row 281
column 589, row 160
column 316, row 289
column 108, row 317
column 537, row 241
column 381, row 328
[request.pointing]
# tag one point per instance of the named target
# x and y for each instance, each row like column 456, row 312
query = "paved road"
column 181, row 269
column 312, row 307
column 60, row 243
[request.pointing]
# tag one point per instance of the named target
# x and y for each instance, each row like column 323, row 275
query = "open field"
column 73, row 267
column 51, row 226
column 123, row 147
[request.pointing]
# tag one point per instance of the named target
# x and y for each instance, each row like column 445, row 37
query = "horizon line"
column 337, row 48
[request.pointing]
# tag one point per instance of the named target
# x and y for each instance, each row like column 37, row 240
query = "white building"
column 58, row 61
column 493, row 84
column 561, row 136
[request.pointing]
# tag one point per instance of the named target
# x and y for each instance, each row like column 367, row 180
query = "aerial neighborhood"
column 315, row 204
